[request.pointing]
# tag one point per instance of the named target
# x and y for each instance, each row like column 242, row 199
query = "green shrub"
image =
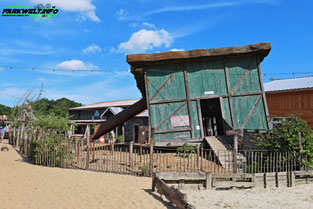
column 285, row 137
column 185, row 150
column 120, row 139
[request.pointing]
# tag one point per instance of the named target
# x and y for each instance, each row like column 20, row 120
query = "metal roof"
column 103, row 105
column 143, row 114
column 289, row 84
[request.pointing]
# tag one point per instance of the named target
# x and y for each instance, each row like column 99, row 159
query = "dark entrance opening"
column 212, row 117
column 136, row 133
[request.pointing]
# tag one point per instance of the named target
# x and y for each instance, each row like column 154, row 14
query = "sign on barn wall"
column 177, row 121
column 233, row 132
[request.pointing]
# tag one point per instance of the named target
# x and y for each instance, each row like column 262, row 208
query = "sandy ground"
column 299, row 197
column 23, row 185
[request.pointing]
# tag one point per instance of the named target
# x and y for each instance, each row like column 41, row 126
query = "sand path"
column 299, row 197
column 23, row 185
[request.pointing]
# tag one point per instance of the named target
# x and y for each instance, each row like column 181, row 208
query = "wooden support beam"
column 148, row 103
column 172, row 130
column 188, row 101
column 229, row 95
column 200, row 118
column 207, row 97
column 262, row 89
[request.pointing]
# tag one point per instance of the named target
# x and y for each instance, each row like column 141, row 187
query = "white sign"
column 177, row 121
column 208, row 92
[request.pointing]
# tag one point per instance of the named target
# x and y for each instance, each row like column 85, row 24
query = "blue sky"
column 97, row 35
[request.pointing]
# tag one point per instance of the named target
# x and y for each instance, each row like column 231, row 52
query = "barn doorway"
column 141, row 134
column 212, row 118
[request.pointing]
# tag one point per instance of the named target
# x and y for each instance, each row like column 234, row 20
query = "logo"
column 39, row 11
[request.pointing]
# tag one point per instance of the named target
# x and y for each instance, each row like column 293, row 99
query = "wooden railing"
column 136, row 159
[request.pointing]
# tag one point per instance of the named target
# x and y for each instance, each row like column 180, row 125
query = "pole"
column 131, row 145
column 88, row 148
column 300, row 149
column 235, row 151
column 151, row 151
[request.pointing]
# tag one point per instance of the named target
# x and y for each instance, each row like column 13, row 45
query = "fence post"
column 208, row 181
column 140, row 151
column 151, row 151
column 198, row 156
column 300, row 149
column 88, row 144
column 235, row 150
column 131, row 145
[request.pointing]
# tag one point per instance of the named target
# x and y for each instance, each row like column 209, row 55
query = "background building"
column 132, row 129
column 291, row 96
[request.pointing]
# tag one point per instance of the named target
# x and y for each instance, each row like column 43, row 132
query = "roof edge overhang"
column 288, row 90
column 261, row 49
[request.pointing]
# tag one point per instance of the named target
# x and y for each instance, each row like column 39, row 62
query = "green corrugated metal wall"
column 205, row 78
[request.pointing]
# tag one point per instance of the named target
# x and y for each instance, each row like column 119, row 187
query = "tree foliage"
column 285, row 137
column 58, row 107
column 5, row 110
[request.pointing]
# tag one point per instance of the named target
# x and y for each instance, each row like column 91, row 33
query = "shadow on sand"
column 157, row 197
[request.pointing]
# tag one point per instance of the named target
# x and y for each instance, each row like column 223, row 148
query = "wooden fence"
column 218, row 180
column 137, row 159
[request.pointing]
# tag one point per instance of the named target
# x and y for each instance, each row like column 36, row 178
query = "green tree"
column 285, row 137
column 5, row 110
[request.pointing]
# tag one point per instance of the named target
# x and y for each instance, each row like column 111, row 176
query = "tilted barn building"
column 204, row 92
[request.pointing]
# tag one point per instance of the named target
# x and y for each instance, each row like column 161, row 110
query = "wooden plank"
column 172, row 130
column 227, row 184
column 259, row 48
column 166, row 176
column 188, row 101
column 207, row 97
column 262, row 89
column 200, row 118
column 148, row 102
column 229, row 96
column 241, row 78
column 173, row 195
column 170, row 115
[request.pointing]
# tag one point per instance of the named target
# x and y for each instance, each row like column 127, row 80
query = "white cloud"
column 149, row 25
column 85, row 7
column 121, row 14
column 1, row 68
column 175, row 50
column 194, row 7
column 144, row 40
column 76, row 65
column 211, row 6
column 92, row 49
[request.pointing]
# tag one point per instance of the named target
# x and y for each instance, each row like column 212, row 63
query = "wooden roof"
column 261, row 49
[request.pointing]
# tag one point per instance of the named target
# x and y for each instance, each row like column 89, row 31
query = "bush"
column 185, row 150
column 285, row 137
